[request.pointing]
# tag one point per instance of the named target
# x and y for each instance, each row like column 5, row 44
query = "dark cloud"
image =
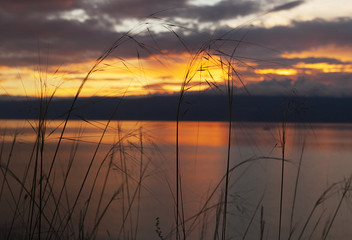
column 287, row 6
column 340, row 79
column 226, row 9
column 221, row 11
column 67, row 41
column 34, row 7
column 179, row 8
column 304, row 35
column 299, row 87
column 138, row 9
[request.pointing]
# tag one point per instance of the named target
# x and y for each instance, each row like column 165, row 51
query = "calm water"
column 136, row 160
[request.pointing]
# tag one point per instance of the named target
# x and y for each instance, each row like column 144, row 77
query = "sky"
column 267, row 47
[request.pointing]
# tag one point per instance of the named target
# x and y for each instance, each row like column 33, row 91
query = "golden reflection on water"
column 322, row 136
column 203, row 154
column 191, row 133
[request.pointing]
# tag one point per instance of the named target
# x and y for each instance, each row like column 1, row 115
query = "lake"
column 122, row 185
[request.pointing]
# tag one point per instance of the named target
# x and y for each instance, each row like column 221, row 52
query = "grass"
column 47, row 201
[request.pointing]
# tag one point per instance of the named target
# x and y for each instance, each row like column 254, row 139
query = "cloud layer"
column 72, row 31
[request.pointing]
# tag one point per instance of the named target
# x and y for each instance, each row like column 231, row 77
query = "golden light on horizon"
column 286, row 72
column 114, row 77
column 328, row 51
column 326, row 67
column 156, row 74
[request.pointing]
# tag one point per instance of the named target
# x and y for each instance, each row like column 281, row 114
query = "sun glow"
column 156, row 74
column 328, row 51
column 163, row 74
column 326, row 68
column 285, row 72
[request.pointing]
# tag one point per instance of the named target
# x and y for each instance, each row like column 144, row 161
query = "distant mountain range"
column 193, row 108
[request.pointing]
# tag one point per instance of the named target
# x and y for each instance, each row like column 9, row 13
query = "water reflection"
column 136, row 160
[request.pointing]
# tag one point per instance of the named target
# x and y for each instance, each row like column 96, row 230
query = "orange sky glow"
column 290, row 41
column 156, row 74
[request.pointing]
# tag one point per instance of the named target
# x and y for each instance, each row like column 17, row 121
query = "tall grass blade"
column 346, row 189
column 295, row 192
column 283, row 148
column 252, row 218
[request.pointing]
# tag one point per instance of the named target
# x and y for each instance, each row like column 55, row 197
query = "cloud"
column 287, row 6
column 300, row 87
column 304, row 35
column 71, row 41
column 44, row 33
column 138, row 9
column 35, row 7
column 223, row 10
column 118, row 11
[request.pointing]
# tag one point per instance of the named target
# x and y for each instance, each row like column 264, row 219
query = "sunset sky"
column 280, row 46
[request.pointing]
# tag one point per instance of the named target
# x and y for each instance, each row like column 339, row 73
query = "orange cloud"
column 162, row 73
column 113, row 77
column 286, row 72
column 341, row 53
column 326, row 67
